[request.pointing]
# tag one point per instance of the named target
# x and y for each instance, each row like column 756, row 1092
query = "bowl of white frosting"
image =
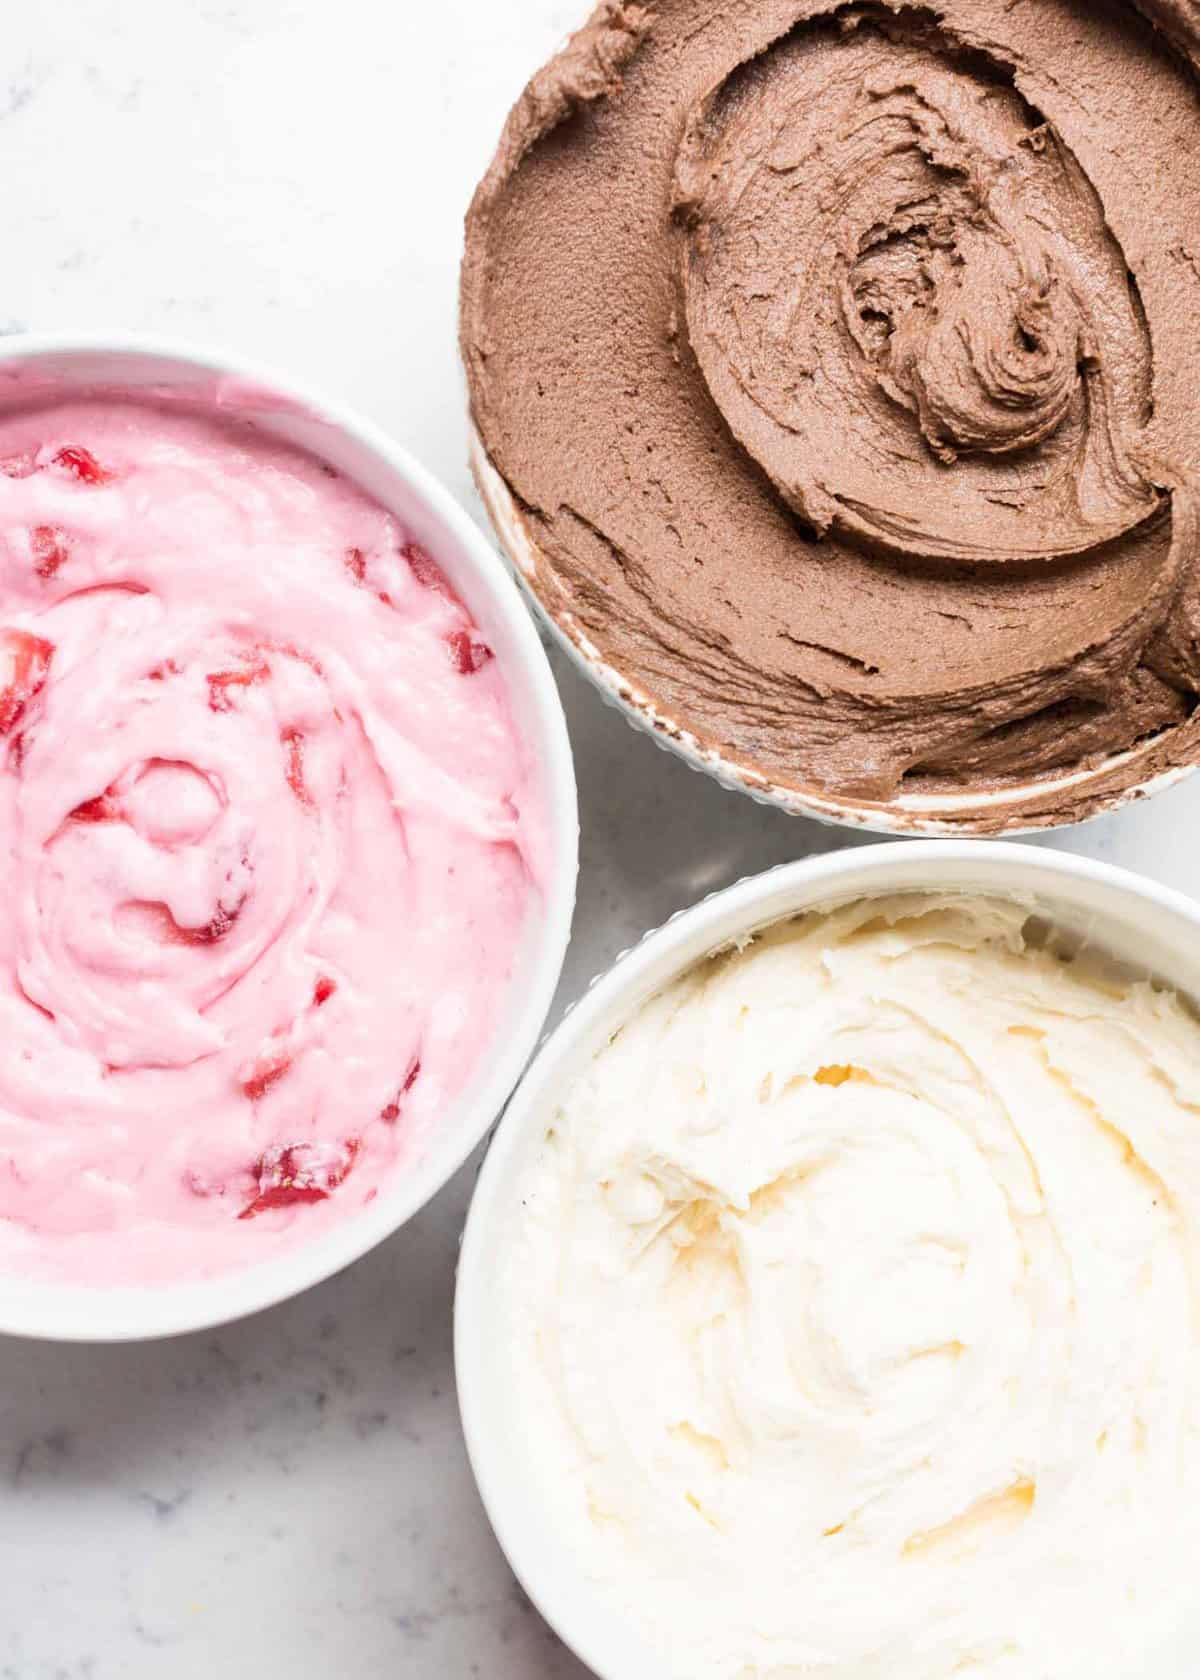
column 828, row 1304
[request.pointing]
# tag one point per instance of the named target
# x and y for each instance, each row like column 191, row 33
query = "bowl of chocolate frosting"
column 832, row 375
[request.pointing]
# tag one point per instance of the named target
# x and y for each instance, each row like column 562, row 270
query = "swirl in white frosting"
column 855, row 1311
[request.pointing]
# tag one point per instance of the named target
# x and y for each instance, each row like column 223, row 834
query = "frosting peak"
column 907, row 303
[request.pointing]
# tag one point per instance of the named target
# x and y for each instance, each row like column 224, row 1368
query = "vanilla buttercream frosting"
column 853, row 1306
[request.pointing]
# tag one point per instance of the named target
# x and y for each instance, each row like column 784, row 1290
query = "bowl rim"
column 81, row 1313
column 931, row 818
column 638, row 973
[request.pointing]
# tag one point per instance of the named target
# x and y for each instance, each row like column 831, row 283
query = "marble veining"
column 290, row 1496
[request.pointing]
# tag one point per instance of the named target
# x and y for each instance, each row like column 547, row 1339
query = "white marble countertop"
column 290, row 1497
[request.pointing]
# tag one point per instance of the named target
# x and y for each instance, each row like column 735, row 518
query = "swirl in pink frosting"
column 264, row 819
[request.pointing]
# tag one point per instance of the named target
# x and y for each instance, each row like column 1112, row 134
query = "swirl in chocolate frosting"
column 840, row 361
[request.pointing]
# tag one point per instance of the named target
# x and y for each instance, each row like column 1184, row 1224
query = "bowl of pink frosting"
column 288, row 833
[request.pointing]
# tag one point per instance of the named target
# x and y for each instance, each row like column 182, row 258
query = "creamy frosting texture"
column 840, row 361
column 263, row 824
column 853, row 1307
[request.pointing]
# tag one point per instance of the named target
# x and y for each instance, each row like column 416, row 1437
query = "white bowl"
column 1150, row 927
column 364, row 453
column 1015, row 808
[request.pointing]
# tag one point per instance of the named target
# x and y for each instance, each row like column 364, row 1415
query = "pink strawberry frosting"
column 265, row 831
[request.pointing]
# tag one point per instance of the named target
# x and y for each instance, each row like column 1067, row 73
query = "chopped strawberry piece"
column 293, row 764
column 427, row 573
column 323, row 990
column 73, row 458
column 356, row 564
column 282, row 1195
column 211, row 932
column 154, row 919
column 467, row 651
column 257, row 1080
column 24, row 664
column 49, row 549
column 294, row 1173
column 91, row 811
column 16, row 752
column 220, row 683
column 103, row 808
column 391, row 1113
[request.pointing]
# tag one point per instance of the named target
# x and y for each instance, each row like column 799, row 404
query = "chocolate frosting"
column 842, row 363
